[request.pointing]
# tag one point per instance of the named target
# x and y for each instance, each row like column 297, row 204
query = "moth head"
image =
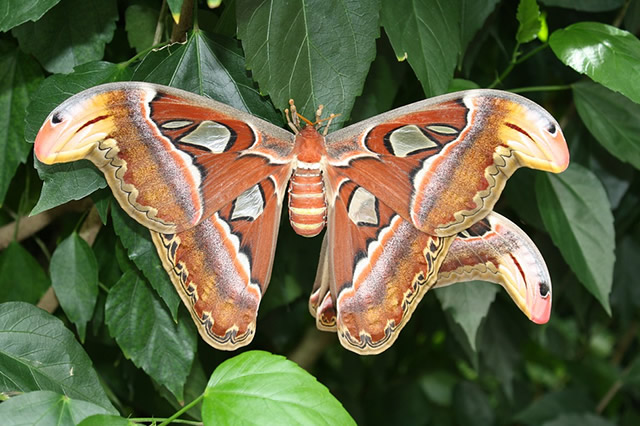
column 534, row 136
column 74, row 129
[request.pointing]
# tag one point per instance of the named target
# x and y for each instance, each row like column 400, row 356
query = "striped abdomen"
column 307, row 205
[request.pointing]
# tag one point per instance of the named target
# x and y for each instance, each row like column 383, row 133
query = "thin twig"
column 157, row 36
column 311, row 347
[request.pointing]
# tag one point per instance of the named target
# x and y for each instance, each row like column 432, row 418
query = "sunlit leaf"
column 37, row 352
column 575, row 209
column 72, row 33
column 74, row 276
column 611, row 118
column 529, row 18
column 610, row 56
column 260, row 388
column 314, row 51
column 46, row 408
column 106, row 420
column 146, row 333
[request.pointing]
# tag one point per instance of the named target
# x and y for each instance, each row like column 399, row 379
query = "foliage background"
column 117, row 342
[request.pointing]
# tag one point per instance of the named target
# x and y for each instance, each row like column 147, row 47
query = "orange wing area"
column 222, row 266
column 171, row 158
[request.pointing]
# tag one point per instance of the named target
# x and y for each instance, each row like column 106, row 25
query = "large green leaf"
column 71, row 181
column 19, row 76
column 140, row 249
column 529, row 18
column 73, row 33
column 207, row 66
column 16, row 12
column 141, row 20
column 46, row 408
column 314, row 51
column 106, row 420
column 468, row 304
column 146, row 333
column 585, row 5
column 610, row 56
column 611, row 118
column 21, row 276
column 546, row 407
column 37, row 352
column 575, row 209
column 260, row 388
column 74, row 276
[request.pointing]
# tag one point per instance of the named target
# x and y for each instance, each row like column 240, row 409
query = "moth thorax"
column 307, row 205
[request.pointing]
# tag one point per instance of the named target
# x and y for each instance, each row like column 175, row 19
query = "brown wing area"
column 496, row 250
column 380, row 268
column 171, row 158
column 442, row 163
column 222, row 266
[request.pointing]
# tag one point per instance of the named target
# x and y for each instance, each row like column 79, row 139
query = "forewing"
column 380, row 267
column 495, row 249
column 171, row 158
column 221, row 267
column 443, row 162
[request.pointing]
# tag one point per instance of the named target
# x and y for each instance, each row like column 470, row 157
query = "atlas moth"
column 406, row 197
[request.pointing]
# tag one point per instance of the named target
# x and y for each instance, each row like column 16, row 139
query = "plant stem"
column 182, row 411
column 541, row 88
column 512, row 63
column 179, row 33
column 157, row 36
column 154, row 420
column 532, row 52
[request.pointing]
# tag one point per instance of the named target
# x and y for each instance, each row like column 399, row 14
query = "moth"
column 406, row 197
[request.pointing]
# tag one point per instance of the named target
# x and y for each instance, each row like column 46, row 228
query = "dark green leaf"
column 207, row 66
column 16, row 12
column 315, row 51
column 21, row 276
column 429, row 38
column 586, row 5
column 438, row 387
column 472, row 405
column 260, row 388
column 74, row 276
column 73, row 33
column 625, row 296
column 106, row 420
column 140, row 249
column 19, row 76
column 474, row 14
column 46, row 408
column 579, row 419
column 37, row 352
column 468, row 304
column 611, row 118
column 529, row 18
column 549, row 405
column 175, row 6
column 141, row 21
column 458, row 84
column 575, row 209
column 144, row 330
column 610, row 56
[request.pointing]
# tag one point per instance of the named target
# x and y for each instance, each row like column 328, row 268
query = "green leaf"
column 625, row 296
column 608, row 55
column 438, row 387
column 429, row 38
column 611, row 118
column 579, row 419
column 16, row 12
column 314, row 51
column 74, row 276
column 140, row 249
column 549, row 405
column 260, row 388
column 144, row 330
column 207, row 66
column 106, row 420
column 458, row 84
column 472, row 405
column 140, row 24
column 585, row 5
column 175, row 6
column 71, row 181
column 19, row 76
column 37, row 352
column 468, row 304
column 575, row 209
column 529, row 18
column 46, row 408
column 474, row 13
column 21, row 276
column 73, row 33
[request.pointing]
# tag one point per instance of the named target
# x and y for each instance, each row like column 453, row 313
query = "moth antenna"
column 319, row 113
column 291, row 125
column 294, row 114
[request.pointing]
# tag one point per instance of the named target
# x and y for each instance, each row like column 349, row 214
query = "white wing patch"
column 249, row 205
column 209, row 135
column 362, row 208
column 176, row 124
column 408, row 139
